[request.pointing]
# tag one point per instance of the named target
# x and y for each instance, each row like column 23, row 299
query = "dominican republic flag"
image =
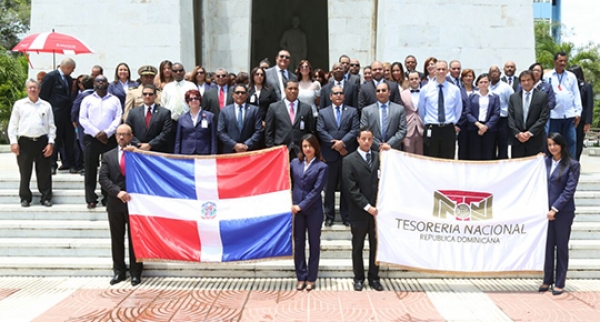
column 210, row 209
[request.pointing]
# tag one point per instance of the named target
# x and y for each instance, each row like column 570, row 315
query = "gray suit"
column 396, row 130
column 273, row 81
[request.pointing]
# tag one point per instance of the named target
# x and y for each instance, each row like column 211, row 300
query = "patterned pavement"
column 210, row 299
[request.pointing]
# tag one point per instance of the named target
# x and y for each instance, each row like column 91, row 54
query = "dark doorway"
column 272, row 18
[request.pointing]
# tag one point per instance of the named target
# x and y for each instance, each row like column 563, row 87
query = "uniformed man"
column 134, row 95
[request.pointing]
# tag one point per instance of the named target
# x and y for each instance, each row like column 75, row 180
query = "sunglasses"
column 381, row 90
column 284, row 57
column 240, row 92
column 337, row 93
column 177, row 70
column 193, row 99
column 261, row 74
column 148, row 94
column 220, row 76
column 354, row 65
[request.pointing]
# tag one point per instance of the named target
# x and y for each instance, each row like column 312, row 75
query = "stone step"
column 338, row 268
column 587, row 198
column 66, row 196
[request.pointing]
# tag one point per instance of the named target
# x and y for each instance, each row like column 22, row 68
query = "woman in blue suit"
column 563, row 176
column 309, row 176
column 122, row 83
column 196, row 129
column 483, row 113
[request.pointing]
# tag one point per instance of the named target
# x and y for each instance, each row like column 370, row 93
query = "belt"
column 33, row 139
column 440, row 125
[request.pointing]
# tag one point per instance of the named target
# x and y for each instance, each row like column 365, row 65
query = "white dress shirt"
column 100, row 114
column 32, row 120
column 566, row 92
column 504, row 91
column 173, row 97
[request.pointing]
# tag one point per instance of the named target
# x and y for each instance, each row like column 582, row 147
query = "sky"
column 582, row 24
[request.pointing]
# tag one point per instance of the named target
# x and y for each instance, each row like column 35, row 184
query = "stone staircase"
column 70, row 240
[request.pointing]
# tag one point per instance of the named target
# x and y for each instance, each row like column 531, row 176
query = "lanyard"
column 560, row 78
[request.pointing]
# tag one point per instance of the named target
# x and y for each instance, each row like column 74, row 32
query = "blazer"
column 493, row 112
column 58, row 94
column 562, row 186
column 112, row 180
column 537, row 116
column 516, row 84
column 77, row 104
column 230, row 134
column 587, row 102
column 192, row 139
column 210, row 101
column 307, row 186
column 327, row 130
column 545, row 87
column 266, row 98
column 354, row 79
column 117, row 90
column 360, row 184
column 280, row 130
column 350, row 94
column 414, row 124
column 367, row 95
column 273, row 81
column 159, row 131
column 396, row 130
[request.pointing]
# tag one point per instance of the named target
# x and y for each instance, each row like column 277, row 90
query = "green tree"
column 13, row 74
column 586, row 56
column 14, row 21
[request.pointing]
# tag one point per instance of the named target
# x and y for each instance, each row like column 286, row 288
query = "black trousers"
column 481, row 147
column 502, row 139
column 65, row 137
column 334, row 176
column 559, row 233
column 30, row 151
column 359, row 230
column 93, row 149
column 441, row 144
column 579, row 141
column 117, row 222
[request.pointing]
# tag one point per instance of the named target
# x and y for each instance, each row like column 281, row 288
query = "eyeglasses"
column 102, row 80
column 284, row 57
column 337, row 93
column 177, row 70
column 220, row 76
column 261, row 74
column 193, row 99
column 381, row 90
column 148, row 94
column 354, row 65
column 240, row 92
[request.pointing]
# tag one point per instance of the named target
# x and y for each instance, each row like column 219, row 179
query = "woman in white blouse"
column 309, row 88
column 483, row 113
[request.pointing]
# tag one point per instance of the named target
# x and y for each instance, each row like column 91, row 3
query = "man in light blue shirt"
column 504, row 91
column 566, row 115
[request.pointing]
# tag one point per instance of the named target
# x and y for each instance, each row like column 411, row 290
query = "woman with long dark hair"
column 259, row 92
column 397, row 75
column 563, row 177
column 309, row 89
column 164, row 74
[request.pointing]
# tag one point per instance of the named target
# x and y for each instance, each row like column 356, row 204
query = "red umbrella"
column 52, row 42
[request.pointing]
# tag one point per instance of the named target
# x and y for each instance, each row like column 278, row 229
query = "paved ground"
column 196, row 299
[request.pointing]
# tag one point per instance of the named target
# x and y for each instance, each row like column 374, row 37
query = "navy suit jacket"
column 562, row 186
column 117, row 90
column 281, row 131
column 55, row 91
column 229, row 132
column 159, row 132
column 307, row 186
column 77, row 104
column 328, row 130
column 493, row 112
column 192, row 139
column 350, row 94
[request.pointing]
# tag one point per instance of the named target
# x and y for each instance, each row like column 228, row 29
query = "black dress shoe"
column 91, row 205
column 135, row 280
column 73, row 171
column 557, row 292
column 46, row 203
column 118, row 278
column 358, row 286
column 103, row 202
column 376, row 286
column 328, row 223
column 25, row 203
column 53, row 171
column 347, row 223
column 543, row 288
column 62, row 167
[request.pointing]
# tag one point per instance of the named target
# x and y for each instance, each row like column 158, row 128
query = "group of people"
column 334, row 125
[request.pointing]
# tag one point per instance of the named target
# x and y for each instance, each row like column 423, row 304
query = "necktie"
column 384, row 122
column 292, row 112
column 66, row 83
column 339, row 84
column 148, row 117
column 458, row 82
column 178, row 108
column 122, row 163
column 338, row 115
column 222, row 97
column 510, row 81
column 240, row 121
column 414, row 90
column 526, row 107
column 369, row 161
column 441, row 108
column 283, row 76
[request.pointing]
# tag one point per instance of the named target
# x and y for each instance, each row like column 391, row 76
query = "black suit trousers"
column 30, row 151
column 65, row 138
column 441, row 144
column 117, row 222
column 502, row 139
column 334, row 177
column 93, row 149
column 359, row 230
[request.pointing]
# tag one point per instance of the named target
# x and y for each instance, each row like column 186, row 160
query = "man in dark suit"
column 350, row 89
column 218, row 97
column 528, row 114
column 337, row 128
column 56, row 90
column 410, row 63
column 509, row 77
column 454, row 73
column 386, row 119
column 361, row 181
column 279, row 74
column 151, row 123
column 280, row 129
column 112, row 179
column 240, row 126
column 367, row 95
column 347, row 76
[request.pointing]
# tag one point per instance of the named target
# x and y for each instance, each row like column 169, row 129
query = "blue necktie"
column 526, row 107
column 384, row 122
column 441, row 108
column 240, row 122
column 338, row 115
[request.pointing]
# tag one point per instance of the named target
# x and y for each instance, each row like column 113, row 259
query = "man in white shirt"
column 504, row 91
column 173, row 95
column 31, row 132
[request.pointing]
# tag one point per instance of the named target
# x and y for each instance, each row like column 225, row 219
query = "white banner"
column 455, row 216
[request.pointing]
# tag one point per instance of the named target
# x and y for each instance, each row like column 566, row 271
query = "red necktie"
column 122, row 163
column 222, row 97
column 148, row 117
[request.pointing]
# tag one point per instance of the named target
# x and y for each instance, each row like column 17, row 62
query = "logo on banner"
column 462, row 205
column 208, row 210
